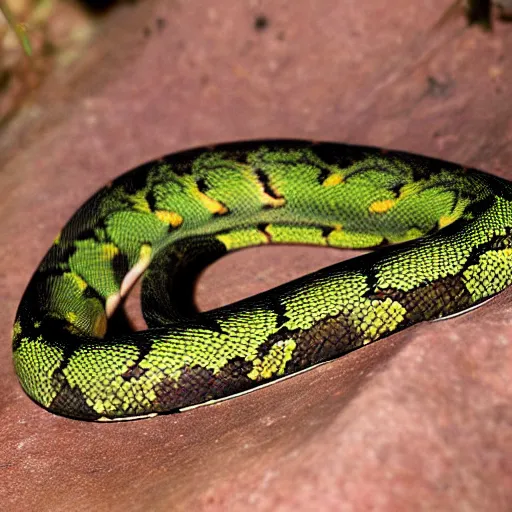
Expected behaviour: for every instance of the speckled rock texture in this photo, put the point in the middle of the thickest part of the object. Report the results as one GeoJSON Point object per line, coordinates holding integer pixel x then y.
{"type": "Point", "coordinates": [421, 421]}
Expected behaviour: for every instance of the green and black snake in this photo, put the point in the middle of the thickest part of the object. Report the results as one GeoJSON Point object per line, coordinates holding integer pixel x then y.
{"type": "Point", "coordinates": [169, 218]}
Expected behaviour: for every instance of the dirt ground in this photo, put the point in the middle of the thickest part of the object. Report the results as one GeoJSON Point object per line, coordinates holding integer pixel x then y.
{"type": "Point", "coordinates": [420, 421]}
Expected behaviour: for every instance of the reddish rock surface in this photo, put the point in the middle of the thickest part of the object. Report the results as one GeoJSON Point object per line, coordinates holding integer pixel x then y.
{"type": "Point", "coordinates": [421, 421]}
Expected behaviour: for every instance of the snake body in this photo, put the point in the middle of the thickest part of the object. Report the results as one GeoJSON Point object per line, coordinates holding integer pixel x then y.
{"type": "Point", "coordinates": [169, 218]}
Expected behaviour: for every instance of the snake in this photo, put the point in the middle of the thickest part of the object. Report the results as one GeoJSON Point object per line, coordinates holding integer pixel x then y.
{"type": "Point", "coordinates": [439, 241]}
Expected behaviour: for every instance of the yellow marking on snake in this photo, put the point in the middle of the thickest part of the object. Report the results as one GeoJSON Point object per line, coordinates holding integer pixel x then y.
{"type": "Point", "coordinates": [382, 206]}
{"type": "Point", "coordinates": [109, 252]}
{"type": "Point", "coordinates": [172, 218]}
{"type": "Point", "coordinates": [332, 180]}
{"type": "Point", "coordinates": [446, 220]}
{"type": "Point", "coordinates": [212, 205]}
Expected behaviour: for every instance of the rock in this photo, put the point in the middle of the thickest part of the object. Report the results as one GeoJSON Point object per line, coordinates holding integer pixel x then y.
{"type": "Point", "coordinates": [420, 421]}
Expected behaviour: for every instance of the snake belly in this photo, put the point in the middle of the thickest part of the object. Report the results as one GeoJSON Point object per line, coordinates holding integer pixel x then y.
{"type": "Point", "coordinates": [169, 218]}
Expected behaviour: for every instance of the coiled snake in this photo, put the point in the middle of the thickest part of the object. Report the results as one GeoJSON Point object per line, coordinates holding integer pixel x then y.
{"type": "Point", "coordinates": [171, 217]}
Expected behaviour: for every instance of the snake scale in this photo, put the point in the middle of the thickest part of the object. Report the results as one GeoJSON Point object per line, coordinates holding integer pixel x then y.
{"type": "Point", "coordinates": [169, 218]}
